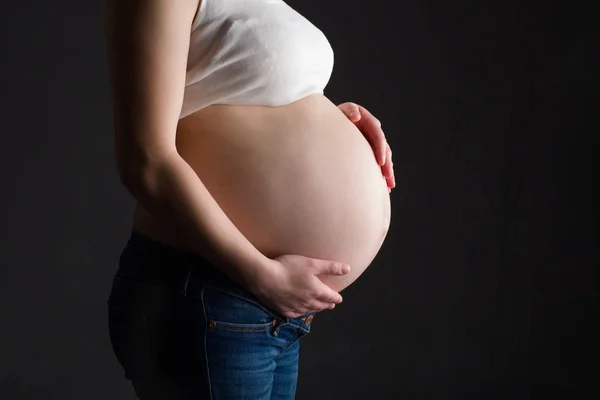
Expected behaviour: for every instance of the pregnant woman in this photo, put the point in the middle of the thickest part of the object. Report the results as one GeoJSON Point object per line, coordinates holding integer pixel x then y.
{"type": "Point", "coordinates": [255, 193]}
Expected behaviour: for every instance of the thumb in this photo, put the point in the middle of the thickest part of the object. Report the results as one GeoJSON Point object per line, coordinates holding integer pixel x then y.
{"type": "Point", "coordinates": [351, 110]}
{"type": "Point", "coordinates": [332, 268]}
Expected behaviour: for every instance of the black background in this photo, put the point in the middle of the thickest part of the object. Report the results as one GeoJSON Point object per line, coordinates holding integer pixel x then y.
{"type": "Point", "coordinates": [486, 285]}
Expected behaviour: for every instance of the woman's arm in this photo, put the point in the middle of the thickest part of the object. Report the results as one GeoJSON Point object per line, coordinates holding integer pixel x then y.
{"type": "Point", "coordinates": [147, 44]}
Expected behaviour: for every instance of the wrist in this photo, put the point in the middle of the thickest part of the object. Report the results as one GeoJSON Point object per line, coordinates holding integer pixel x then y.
{"type": "Point", "coordinates": [256, 275]}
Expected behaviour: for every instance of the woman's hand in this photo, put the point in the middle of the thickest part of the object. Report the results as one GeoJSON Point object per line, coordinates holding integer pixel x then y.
{"type": "Point", "coordinates": [291, 285]}
{"type": "Point", "coordinates": [370, 127]}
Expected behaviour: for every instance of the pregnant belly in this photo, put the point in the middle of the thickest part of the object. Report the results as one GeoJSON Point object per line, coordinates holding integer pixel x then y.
{"type": "Point", "coordinates": [299, 179]}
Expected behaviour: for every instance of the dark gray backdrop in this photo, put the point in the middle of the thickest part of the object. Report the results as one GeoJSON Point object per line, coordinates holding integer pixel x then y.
{"type": "Point", "coordinates": [486, 285]}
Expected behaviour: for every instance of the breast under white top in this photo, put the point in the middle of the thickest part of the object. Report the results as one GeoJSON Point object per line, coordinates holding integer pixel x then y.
{"type": "Point", "coordinates": [253, 52]}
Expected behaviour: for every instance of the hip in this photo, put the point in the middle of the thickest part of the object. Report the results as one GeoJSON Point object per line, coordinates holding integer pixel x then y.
{"type": "Point", "coordinates": [172, 315]}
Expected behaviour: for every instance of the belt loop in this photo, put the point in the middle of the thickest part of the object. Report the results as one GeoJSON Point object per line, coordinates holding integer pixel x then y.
{"type": "Point", "coordinates": [187, 278]}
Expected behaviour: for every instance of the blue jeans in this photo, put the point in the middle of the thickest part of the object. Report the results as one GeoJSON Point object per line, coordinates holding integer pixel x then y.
{"type": "Point", "coordinates": [181, 329]}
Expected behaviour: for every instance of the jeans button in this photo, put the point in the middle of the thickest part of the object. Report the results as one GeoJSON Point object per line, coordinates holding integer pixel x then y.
{"type": "Point", "coordinates": [308, 319]}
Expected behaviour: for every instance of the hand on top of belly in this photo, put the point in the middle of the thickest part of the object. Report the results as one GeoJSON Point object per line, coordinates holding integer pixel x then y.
{"type": "Point", "coordinates": [291, 285]}
{"type": "Point", "coordinates": [370, 127]}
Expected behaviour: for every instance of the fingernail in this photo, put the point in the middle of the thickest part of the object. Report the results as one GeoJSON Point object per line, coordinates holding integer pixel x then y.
{"type": "Point", "coordinates": [346, 269]}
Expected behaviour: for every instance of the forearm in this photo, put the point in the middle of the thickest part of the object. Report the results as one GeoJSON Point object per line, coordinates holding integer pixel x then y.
{"type": "Point", "coordinates": [172, 190]}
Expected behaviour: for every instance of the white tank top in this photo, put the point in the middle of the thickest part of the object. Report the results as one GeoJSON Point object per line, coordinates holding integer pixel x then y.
{"type": "Point", "coordinates": [253, 52]}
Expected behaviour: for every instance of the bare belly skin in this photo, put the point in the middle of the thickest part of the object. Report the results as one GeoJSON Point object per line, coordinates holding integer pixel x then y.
{"type": "Point", "coordinates": [297, 179]}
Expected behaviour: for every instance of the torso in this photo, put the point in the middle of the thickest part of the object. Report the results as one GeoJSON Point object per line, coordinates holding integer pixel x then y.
{"type": "Point", "coordinates": [295, 179]}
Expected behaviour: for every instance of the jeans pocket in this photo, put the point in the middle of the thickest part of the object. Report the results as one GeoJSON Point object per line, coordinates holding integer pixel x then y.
{"type": "Point", "coordinates": [227, 311]}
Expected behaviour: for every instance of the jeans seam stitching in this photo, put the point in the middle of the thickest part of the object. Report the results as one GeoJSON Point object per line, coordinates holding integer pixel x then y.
{"type": "Point", "coordinates": [205, 347]}
{"type": "Point", "coordinates": [243, 327]}
{"type": "Point", "coordinates": [290, 343]}
{"type": "Point", "coordinates": [245, 330]}
{"type": "Point", "coordinates": [187, 279]}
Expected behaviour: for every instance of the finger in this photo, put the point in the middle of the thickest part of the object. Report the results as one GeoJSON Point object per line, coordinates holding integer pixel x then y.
{"type": "Point", "coordinates": [371, 129]}
{"type": "Point", "coordinates": [331, 268]}
{"type": "Point", "coordinates": [317, 306]}
{"type": "Point", "coordinates": [392, 178]}
{"type": "Point", "coordinates": [390, 181]}
{"type": "Point", "coordinates": [328, 295]}
{"type": "Point", "coordinates": [294, 314]}
{"type": "Point", "coordinates": [351, 111]}
{"type": "Point", "coordinates": [388, 170]}
{"type": "Point", "coordinates": [307, 308]}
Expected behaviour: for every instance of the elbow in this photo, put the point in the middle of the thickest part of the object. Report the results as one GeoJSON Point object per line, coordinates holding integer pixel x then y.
{"type": "Point", "coordinates": [141, 174]}
{"type": "Point", "coordinates": [134, 174]}
{"type": "Point", "coordinates": [129, 170]}
{"type": "Point", "coordinates": [139, 183]}
{"type": "Point", "coordinates": [130, 177]}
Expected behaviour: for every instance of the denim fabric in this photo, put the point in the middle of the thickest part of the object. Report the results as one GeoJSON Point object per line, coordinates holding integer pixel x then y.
{"type": "Point", "coordinates": [181, 329]}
